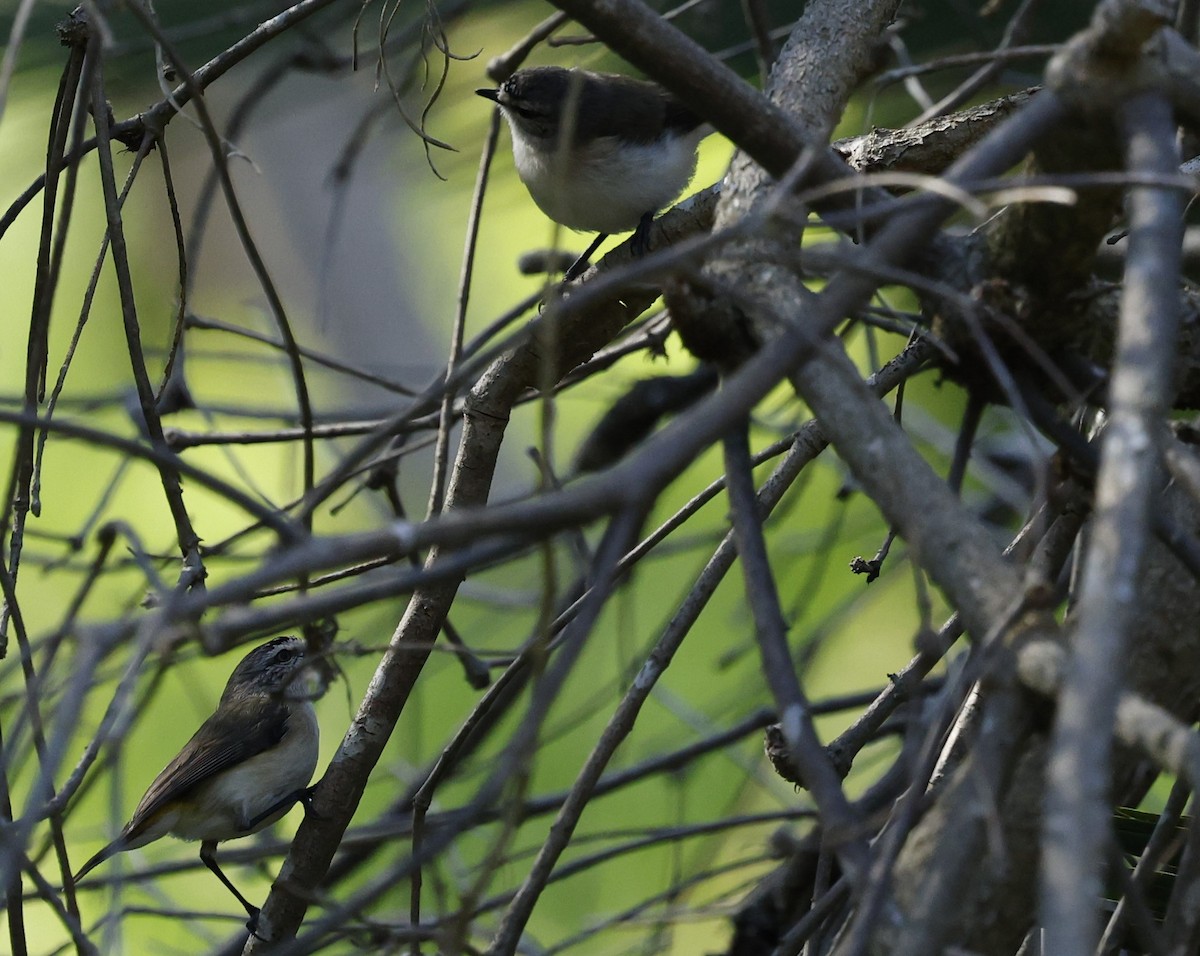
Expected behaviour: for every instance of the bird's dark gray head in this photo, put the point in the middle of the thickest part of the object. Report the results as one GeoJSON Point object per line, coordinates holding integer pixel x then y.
{"type": "Point", "coordinates": [271, 668]}
{"type": "Point", "coordinates": [602, 104]}
{"type": "Point", "coordinates": [534, 99]}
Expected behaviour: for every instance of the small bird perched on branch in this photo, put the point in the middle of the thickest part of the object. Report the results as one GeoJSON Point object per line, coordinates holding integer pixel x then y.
{"type": "Point", "coordinates": [242, 770]}
{"type": "Point", "coordinates": [598, 152]}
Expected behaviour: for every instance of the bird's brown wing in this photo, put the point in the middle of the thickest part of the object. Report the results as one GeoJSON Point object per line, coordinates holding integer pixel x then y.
{"type": "Point", "coordinates": [223, 741]}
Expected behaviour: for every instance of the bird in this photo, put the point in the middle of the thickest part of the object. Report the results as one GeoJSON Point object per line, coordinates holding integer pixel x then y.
{"type": "Point", "coordinates": [598, 152]}
{"type": "Point", "coordinates": [246, 766]}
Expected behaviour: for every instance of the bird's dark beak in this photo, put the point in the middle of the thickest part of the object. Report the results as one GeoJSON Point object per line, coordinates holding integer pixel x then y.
{"type": "Point", "coordinates": [493, 95]}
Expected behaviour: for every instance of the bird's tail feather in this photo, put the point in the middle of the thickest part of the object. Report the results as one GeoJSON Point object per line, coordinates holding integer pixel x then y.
{"type": "Point", "coordinates": [111, 850]}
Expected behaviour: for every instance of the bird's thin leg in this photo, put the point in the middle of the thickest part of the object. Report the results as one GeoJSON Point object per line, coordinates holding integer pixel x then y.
{"type": "Point", "coordinates": [277, 807]}
{"type": "Point", "coordinates": [208, 853]}
{"type": "Point", "coordinates": [639, 245]}
{"type": "Point", "coordinates": [304, 796]}
{"type": "Point", "coordinates": [581, 263]}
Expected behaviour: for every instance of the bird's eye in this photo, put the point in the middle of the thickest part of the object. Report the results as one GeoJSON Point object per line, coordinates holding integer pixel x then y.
{"type": "Point", "coordinates": [284, 654]}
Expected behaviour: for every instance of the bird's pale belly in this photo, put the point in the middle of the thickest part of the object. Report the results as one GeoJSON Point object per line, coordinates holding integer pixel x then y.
{"type": "Point", "coordinates": [606, 187]}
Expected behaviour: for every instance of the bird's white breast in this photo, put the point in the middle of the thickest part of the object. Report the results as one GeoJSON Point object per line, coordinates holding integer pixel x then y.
{"type": "Point", "coordinates": [222, 808]}
{"type": "Point", "coordinates": [606, 185]}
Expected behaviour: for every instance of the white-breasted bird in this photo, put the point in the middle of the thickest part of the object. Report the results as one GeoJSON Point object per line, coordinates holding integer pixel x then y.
{"type": "Point", "coordinates": [598, 152]}
{"type": "Point", "coordinates": [246, 766]}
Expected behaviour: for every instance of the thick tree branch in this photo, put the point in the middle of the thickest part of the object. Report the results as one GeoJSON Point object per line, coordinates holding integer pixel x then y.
{"type": "Point", "coordinates": [1079, 772]}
